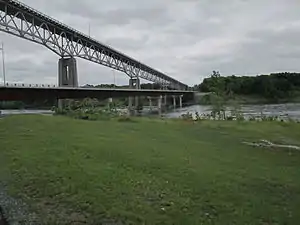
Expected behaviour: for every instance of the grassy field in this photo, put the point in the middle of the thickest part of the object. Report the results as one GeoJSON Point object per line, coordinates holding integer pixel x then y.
{"type": "Point", "coordinates": [151, 171]}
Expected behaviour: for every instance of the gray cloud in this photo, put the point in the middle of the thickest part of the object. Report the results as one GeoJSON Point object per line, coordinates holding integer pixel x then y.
{"type": "Point", "coordinates": [185, 39]}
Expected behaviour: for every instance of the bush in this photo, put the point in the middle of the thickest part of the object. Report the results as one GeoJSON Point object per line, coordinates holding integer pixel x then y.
{"type": "Point", "coordinates": [252, 118]}
{"type": "Point", "coordinates": [187, 116]}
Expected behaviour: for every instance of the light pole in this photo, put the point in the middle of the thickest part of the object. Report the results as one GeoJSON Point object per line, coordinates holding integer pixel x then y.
{"type": "Point", "coordinates": [3, 63]}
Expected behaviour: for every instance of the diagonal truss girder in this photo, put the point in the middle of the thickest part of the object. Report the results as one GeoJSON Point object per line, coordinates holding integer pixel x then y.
{"type": "Point", "coordinates": [23, 21]}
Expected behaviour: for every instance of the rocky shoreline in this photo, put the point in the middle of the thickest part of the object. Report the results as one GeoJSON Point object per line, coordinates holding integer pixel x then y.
{"type": "Point", "coordinates": [13, 211]}
{"type": "Point", "coordinates": [3, 220]}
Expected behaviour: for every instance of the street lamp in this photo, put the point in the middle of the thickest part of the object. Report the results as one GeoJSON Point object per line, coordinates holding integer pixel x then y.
{"type": "Point", "coordinates": [3, 63]}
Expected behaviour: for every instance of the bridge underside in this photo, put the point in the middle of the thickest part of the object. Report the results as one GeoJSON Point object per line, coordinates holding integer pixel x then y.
{"type": "Point", "coordinates": [29, 93]}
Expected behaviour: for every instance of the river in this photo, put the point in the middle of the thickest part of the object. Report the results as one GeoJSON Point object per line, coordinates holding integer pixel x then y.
{"type": "Point", "coordinates": [283, 111]}
{"type": "Point", "coordinates": [24, 111]}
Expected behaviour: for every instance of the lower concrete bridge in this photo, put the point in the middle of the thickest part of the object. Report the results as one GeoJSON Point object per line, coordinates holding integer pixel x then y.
{"type": "Point", "coordinates": [46, 92]}
{"type": "Point", "coordinates": [28, 93]}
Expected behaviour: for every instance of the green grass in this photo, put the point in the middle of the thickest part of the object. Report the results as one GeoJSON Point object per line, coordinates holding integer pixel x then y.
{"type": "Point", "coordinates": [151, 171]}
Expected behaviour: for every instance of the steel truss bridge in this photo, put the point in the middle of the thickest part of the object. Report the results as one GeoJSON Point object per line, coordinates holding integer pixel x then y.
{"type": "Point", "coordinates": [23, 21]}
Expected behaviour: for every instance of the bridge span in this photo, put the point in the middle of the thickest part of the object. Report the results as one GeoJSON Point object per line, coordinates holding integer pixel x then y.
{"type": "Point", "coordinates": [23, 92]}
{"type": "Point", "coordinates": [25, 22]}
{"type": "Point", "coordinates": [13, 93]}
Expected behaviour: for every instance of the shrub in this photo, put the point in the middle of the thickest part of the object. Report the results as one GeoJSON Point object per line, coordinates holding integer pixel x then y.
{"type": "Point", "coordinates": [187, 116]}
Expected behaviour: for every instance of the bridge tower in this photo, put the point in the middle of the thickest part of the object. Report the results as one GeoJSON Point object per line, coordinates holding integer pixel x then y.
{"type": "Point", "coordinates": [67, 75]}
{"type": "Point", "coordinates": [67, 72]}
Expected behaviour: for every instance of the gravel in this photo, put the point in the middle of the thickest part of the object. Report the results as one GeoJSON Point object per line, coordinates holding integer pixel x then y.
{"type": "Point", "coordinates": [15, 211]}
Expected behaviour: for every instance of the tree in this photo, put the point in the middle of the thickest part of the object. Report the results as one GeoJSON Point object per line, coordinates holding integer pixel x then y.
{"type": "Point", "coordinates": [273, 87]}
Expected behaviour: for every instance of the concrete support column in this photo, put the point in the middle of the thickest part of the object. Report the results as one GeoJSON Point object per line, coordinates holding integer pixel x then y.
{"type": "Point", "coordinates": [67, 72]}
{"type": "Point", "coordinates": [150, 103]}
{"type": "Point", "coordinates": [67, 75]}
{"type": "Point", "coordinates": [165, 87]}
{"type": "Point", "coordinates": [133, 84]}
{"type": "Point", "coordinates": [165, 102]}
{"type": "Point", "coordinates": [159, 105]}
{"type": "Point", "coordinates": [130, 99]}
{"type": "Point", "coordinates": [137, 86]}
{"type": "Point", "coordinates": [109, 103]}
{"type": "Point", "coordinates": [174, 102]}
{"type": "Point", "coordinates": [180, 101]}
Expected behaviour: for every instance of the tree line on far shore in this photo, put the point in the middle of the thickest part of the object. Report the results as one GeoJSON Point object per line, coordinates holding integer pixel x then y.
{"type": "Point", "coordinates": [275, 86]}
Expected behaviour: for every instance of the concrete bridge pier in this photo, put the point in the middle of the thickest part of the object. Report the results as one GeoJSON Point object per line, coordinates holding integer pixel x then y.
{"type": "Point", "coordinates": [134, 83]}
{"type": "Point", "coordinates": [174, 101]}
{"type": "Point", "coordinates": [159, 105]}
{"type": "Point", "coordinates": [180, 101]}
{"type": "Point", "coordinates": [67, 72]}
{"type": "Point", "coordinates": [150, 103]}
{"type": "Point", "coordinates": [165, 103]}
{"type": "Point", "coordinates": [67, 75]}
{"type": "Point", "coordinates": [164, 98]}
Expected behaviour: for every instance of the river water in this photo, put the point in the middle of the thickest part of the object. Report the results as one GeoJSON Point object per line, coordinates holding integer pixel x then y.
{"type": "Point", "coordinates": [283, 111]}
{"type": "Point", "coordinates": [23, 111]}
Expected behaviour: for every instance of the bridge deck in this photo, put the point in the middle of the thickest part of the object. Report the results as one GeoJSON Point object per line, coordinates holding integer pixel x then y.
{"type": "Point", "coordinates": [31, 93]}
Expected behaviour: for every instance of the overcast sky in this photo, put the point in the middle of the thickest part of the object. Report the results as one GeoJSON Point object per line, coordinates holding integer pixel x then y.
{"type": "Point", "coordinates": [186, 39]}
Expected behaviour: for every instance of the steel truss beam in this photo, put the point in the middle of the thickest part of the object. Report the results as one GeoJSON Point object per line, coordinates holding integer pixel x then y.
{"type": "Point", "coordinates": [23, 21]}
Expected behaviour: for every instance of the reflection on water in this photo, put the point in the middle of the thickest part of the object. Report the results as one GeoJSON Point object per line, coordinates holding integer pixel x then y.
{"type": "Point", "coordinates": [283, 111]}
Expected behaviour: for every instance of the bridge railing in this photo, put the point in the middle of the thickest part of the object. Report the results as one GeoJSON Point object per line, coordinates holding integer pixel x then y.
{"type": "Point", "coordinates": [28, 85]}
{"type": "Point", "coordinates": [45, 86]}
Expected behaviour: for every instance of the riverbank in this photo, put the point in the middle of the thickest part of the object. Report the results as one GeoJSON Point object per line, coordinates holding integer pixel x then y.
{"type": "Point", "coordinates": [151, 171]}
{"type": "Point", "coordinates": [282, 111]}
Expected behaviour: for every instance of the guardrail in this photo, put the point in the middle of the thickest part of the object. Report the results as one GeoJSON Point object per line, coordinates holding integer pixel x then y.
{"type": "Point", "coordinates": [24, 85]}
{"type": "Point", "coordinates": [28, 85]}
